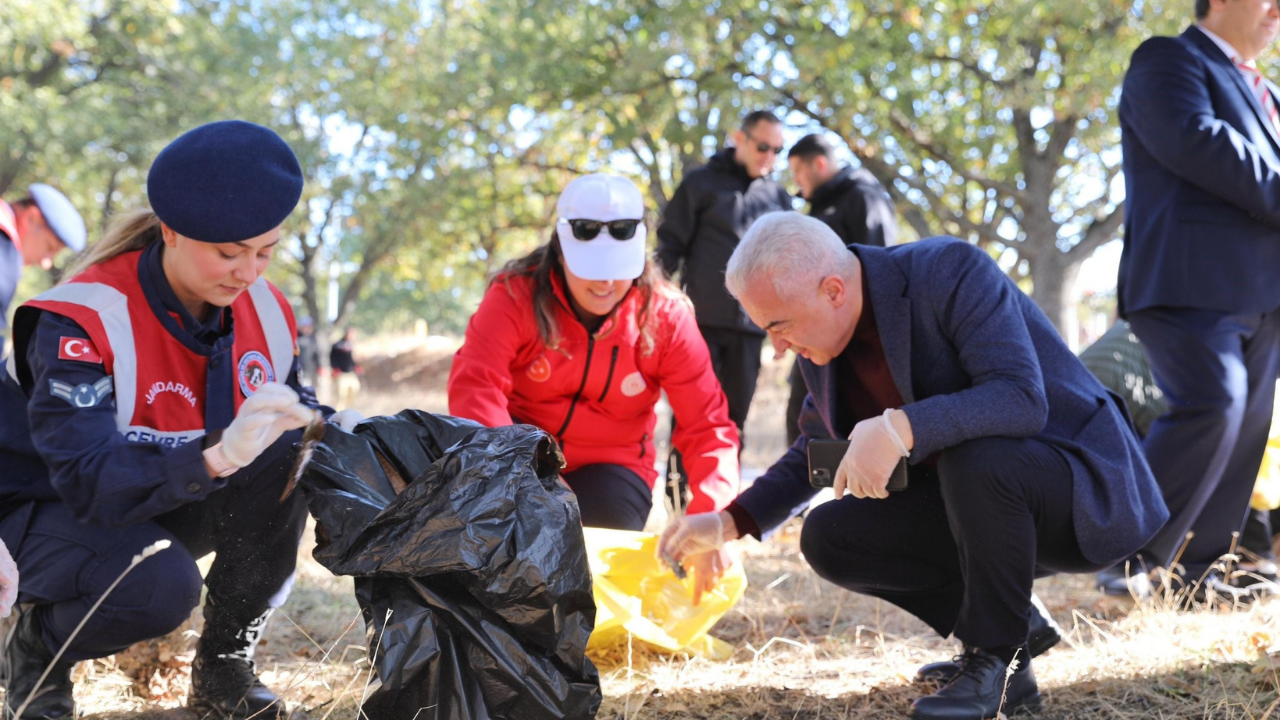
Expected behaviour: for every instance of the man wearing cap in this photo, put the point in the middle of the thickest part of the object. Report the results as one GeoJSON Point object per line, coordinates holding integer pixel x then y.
{"type": "Point", "coordinates": [161, 383]}
{"type": "Point", "coordinates": [701, 225]}
{"type": "Point", "coordinates": [32, 231]}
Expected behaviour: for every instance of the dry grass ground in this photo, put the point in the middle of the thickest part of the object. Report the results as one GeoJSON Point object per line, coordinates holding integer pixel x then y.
{"type": "Point", "coordinates": [804, 648]}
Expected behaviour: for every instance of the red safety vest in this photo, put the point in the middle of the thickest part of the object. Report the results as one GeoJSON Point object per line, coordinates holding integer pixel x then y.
{"type": "Point", "coordinates": [9, 224]}
{"type": "Point", "coordinates": [159, 382]}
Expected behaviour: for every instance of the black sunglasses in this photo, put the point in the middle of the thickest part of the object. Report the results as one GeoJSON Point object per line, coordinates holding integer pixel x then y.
{"type": "Point", "coordinates": [618, 229]}
{"type": "Point", "coordinates": [765, 147]}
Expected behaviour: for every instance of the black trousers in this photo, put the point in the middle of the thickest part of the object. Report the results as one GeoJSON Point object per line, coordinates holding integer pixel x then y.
{"type": "Point", "coordinates": [735, 358]}
{"type": "Point", "coordinates": [65, 566]}
{"type": "Point", "coordinates": [1258, 532]}
{"type": "Point", "coordinates": [961, 546]}
{"type": "Point", "coordinates": [610, 496]}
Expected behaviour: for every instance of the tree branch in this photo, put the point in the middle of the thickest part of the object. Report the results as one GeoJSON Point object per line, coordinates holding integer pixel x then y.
{"type": "Point", "coordinates": [903, 125]}
{"type": "Point", "coordinates": [1099, 232]}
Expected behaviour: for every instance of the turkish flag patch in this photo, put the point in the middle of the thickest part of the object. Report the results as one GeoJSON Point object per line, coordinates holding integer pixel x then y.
{"type": "Point", "coordinates": [82, 349]}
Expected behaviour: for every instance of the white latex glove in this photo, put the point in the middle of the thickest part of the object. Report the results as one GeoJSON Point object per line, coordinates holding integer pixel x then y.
{"type": "Point", "coordinates": [262, 419]}
{"type": "Point", "coordinates": [707, 567]}
{"type": "Point", "coordinates": [347, 419]}
{"type": "Point", "coordinates": [869, 461]}
{"type": "Point", "coordinates": [8, 581]}
{"type": "Point", "coordinates": [691, 534]}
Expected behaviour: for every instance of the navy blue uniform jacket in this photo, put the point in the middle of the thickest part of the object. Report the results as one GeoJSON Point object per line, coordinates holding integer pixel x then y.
{"type": "Point", "coordinates": [78, 455]}
{"type": "Point", "coordinates": [973, 357]}
{"type": "Point", "coordinates": [1202, 182]}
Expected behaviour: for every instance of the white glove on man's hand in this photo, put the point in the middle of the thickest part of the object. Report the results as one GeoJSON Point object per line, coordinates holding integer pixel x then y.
{"type": "Point", "coordinates": [691, 534]}
{"type": "Point", "coordinates": [347, 419]}
{"type": "Point", "coordinates": [869, 461]}
{"type": "Point", "coordinates": [262, 419]}
{"type": "Point", "coordinates": [8, 581]}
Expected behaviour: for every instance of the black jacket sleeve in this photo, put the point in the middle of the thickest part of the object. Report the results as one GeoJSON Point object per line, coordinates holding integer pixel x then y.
{"type": "Point", "coordinates": [678, 227]}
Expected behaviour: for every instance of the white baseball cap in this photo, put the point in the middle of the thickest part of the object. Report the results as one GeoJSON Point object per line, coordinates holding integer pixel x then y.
{"type": "Point", "coordinates": [603, 198]}
{"type": "Point", "coordinates": [60, 215]}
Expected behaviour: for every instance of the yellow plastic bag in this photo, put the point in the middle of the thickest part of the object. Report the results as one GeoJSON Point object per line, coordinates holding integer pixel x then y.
{"type": "Point", "coordinates": [1266, 491]}
{"type": "Point", "coordinates": [637, 594]}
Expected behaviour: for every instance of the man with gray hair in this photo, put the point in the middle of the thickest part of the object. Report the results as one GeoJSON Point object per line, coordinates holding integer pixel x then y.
{"type": "Point", "coordinates": [1021, 464]}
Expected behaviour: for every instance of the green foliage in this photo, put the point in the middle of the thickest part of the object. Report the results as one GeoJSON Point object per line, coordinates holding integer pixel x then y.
{"type": "Point", "coordinates": [435, 135]}
{"type": "Point", "coordinates": [992, 121]}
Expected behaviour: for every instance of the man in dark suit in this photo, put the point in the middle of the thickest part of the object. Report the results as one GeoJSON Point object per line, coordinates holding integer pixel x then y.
{"type": "Point", "coordinates": [1200, 274]}
{"type": "Point", "coordinates": [853, 203]}
{"type": "Point", "coordinates": [1021, 463]}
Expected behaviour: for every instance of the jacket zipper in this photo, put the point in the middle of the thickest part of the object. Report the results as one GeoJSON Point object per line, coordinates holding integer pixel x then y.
{"type": "Point", "coordinates": [591, 345]}
{"type": "Point", "coordinates": [613, 361]}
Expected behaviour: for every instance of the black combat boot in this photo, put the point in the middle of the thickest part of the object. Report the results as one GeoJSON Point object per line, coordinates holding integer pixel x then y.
{"type": "Point", "coordinates": [25, 658]}
{"type": "Point", "coordinates": [224, 679]}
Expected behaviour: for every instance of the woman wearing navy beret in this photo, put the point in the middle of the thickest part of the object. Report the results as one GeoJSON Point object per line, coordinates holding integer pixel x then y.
{"type": "Point", "coordinates": [161, 386]}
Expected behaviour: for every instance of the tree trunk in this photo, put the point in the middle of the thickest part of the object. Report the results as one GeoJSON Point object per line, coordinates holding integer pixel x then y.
{"type": "Point", "coordinates": [108, 201]}
{"type": "Point", "coordinates": [1053, 288]}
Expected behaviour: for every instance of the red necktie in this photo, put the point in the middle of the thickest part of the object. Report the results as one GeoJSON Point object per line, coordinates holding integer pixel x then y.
{"type": "Point", "coordinates": [1260, 90]}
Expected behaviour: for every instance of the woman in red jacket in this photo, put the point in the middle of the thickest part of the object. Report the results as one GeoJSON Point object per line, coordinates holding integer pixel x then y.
{"type": "Point", "coordinates": [579, 338]}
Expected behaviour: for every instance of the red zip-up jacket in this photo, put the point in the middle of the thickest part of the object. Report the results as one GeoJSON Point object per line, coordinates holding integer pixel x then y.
{"type": "Point", "coordinates": [596, 392]}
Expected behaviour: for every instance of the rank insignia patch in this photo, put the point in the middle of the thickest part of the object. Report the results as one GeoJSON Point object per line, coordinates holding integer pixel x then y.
{"type": "Point", "coordinates": [83, 395]}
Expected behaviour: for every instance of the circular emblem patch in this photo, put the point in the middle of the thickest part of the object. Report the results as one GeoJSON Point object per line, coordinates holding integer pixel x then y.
{"type": "Point", "coordinates": [540, 369]}
{"type": "Point", "coordinates": [633, 384]}
{"type": "Point", "coordinates": [254, 372]}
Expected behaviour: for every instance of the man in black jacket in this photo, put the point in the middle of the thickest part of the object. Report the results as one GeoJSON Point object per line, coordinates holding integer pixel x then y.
{"type": "Point", "coordinates": [851, 202]}
{"type": "Point", "coordinates": [707, 216]}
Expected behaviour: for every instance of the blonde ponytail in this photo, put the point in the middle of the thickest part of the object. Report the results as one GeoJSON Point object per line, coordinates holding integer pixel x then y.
{"type": "Point", "coordinates": [129, 231]}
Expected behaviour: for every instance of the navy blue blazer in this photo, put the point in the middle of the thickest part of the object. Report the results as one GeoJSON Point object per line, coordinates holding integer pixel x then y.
{"type": "Point", "coordinates": [1202, 182]}
{"type": "Point", "coordinates": [973, 357]}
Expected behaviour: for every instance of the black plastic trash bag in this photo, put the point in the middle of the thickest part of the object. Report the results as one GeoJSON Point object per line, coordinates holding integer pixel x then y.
{"type": "Point", "coordinates": [473, 580]}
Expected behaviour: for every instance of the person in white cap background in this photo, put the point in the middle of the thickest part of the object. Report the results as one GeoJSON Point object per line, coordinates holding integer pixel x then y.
{"type": "Point", "coordinates": [579, 338]}
{"type": "Point", "coordinates": [32, 231]}
{"type": "Point", "coordinates": [161, 383]}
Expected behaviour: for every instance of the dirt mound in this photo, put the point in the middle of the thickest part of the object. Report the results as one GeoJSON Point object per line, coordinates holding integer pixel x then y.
{"type": "Point", "coordinates": [420, 364]}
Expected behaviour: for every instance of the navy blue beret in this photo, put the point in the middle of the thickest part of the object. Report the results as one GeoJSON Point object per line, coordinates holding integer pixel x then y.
{"type": "Point", "coordinates": [225, 182]}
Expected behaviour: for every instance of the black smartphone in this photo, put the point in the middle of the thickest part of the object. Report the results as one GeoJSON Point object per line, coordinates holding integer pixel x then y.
{"type": "Point", "coordinates": [825, 457]}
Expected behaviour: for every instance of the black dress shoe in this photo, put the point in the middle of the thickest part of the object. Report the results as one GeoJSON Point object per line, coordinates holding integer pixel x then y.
{"type": "Point", "coordinates": [976, 693]}
{"type": "Point", "coordinates": [1042, 634]}
{"type": "Point", "coordinates": [25, 658]}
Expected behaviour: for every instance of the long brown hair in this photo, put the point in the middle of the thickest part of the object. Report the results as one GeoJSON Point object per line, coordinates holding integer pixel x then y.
{"type": "Point", "coordinates": [545, 260]}
{"type": "Point", "coordinates": [129, 231]}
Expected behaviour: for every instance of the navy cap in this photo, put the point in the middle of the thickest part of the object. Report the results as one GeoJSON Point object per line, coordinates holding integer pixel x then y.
{"type": "Point", "coordinates": [60, 215]}
{"type": "Point", "coordinates": [225, 182]}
